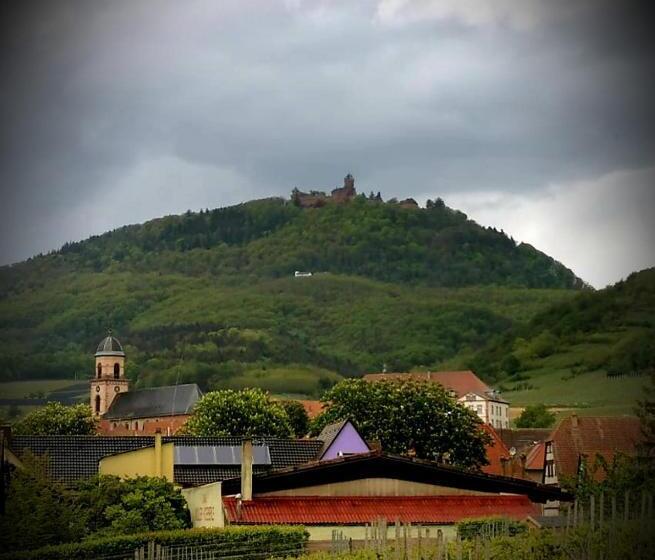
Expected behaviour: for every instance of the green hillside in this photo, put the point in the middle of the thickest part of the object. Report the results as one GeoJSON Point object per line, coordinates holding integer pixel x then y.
{"type": "Point", "coordinates": [210, 297]}
{"type": "Point", "coordinates": [592, 351]}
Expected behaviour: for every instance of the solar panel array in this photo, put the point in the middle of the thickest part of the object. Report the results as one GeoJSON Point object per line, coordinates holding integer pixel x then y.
{"type": "Point", "coordinates": [219, 455]}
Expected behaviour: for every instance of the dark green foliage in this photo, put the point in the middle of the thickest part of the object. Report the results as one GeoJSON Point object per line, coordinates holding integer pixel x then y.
{"type": "Point", "coordinates": [619, 321]}
{"type": "Point", "coordinates": [114, 506]}
{"type": "Point", "coordinates": [489, 527]}
{"type": "Point", "coordinates": [646, 413]}
{"type": "Point", "coordinates": [210, 297]}
{"type": "Point", "coordinates": [56, 419]}
{"type": "Point", "coordinates": [249, 412]}
{"type": "Point", "coordinates": [297, 417]}
{"type": "Point", "coordinates": [408, 416]}
{"type": "Point", "coordinates": [535, 416]}
{"type": "Point", "coordinates": [270, 238]}
{"type": "Point", "coordinates": [286, 336]}
{"type": "Point", "coordinates": [616, 477]}
{"type": "Point", "coordinates": [232, 540]}
{"type": "Point", "coordinates": [38, 511]}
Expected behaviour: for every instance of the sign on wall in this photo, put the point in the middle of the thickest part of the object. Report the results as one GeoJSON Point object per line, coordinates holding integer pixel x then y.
{"type": "Point", "coordinates": [205, 504]}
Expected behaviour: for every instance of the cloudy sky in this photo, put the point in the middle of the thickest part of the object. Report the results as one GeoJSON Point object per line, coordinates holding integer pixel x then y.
{"type": "Point", "coordinates": [532, 116]}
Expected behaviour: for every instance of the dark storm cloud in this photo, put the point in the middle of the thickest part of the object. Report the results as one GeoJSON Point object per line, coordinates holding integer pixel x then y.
{"type": "Point", "coordinates": [118, 112]}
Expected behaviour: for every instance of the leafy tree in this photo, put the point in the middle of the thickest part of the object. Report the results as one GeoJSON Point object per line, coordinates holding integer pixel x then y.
{"type": "Point", "coordinates": [115, 506]}
{"type": "Point", "coordinates": [297, 417]}
{"type": "Point", "coordinates": [535, 416]}
{"type": "Point", "coordinates": [623, 474]}
{"type": "Point", "coordinates": [408, 416]}
{"type": "Point", "coordinates": [57, 419]}
{"type": "Point", "coordinates": [510, 364]}
{"type": "Point", "coordinates": [38, 511]}
{"type": "Point", "coordinates": [249, 412]}
{"type": "Point", "coordinates": [646, 414]}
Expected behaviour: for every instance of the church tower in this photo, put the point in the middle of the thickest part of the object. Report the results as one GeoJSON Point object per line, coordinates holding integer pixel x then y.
{"type": "Point", "coordinates": [109, 377]}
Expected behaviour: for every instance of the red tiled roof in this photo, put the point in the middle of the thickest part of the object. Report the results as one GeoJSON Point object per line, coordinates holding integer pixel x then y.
{"type": "Point", "coordinates": [356, 510]}
{"type": "Point", "coordinates": [312, 408]}
{"type": "Point", "coordinates": [495, 451]}
{"type": "Point", "coordinates": [593, 435]}
{"type": "Point", "coordinates": [462, 382]}
{"type": "Point", "coordinates": [536, 457]}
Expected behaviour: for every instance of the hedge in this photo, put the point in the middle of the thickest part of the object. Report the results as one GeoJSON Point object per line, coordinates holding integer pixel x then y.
{"type": "Point", "coordinates": [274, 539]}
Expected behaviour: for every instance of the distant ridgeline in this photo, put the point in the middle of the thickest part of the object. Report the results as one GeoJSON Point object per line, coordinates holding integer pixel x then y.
{"type": "Point", "coordinates": [210, 297]}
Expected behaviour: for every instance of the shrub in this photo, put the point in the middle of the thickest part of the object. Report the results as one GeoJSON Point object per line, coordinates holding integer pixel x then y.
{"type": "Point", "coordinates": [489, 527]}
{"type": "Point", "coordinates": [232, 539]}
{"type": "Point", "coordinates": [535, 416]}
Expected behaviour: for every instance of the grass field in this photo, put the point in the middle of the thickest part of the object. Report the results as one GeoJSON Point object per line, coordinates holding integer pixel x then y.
{"type": "Point", "coordinates": [21, 389]}
{"type": "Point", "coordinates": [590, 394]}
{"type": "Point", "coordinates": [44, 388]}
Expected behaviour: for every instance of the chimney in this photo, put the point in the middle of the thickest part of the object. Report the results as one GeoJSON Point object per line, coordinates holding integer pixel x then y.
{"type": "Point", "coordinates": [158, 455]}
{"type": "Point", "coordinates": [523, 461]}
{"type": "Point", "coordinates": [503, 464]}
{"type": "Point", "coordinates": [246, 470]}
{"type": "Point", "coordinates": [574, 420]}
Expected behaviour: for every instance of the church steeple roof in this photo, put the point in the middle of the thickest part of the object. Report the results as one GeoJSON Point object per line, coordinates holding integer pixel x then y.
{"type": "Point", "coordinates": [110, 346]}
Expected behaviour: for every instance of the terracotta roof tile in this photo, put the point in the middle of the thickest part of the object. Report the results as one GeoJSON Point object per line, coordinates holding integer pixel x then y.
{"type": "Point", "coordinates": [461, 382]}
{"type": "Point", "coordinates": [495, 451]}
{"type": "Point", "coordinates": [591, 435]}
{"type": "Point", "coordinates": [536, 457]}
{"type": "Point", "coordinates": [356, 510]}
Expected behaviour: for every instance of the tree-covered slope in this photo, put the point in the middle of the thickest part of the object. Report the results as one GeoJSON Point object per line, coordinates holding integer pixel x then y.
{"type": "Point", "coordinates": [210, 296]}
{"type": "Point", "coordinates": [586, 350]}
{"type": "Point", "coordinates": [272, 238]}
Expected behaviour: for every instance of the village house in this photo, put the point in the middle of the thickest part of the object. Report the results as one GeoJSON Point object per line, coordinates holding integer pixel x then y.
{"type": "Point", "coordinates": [576, 441]}
{"type": "Point", "coordinates": [467, 388]}
{"type": "Point", "coordinates": [145, 411]}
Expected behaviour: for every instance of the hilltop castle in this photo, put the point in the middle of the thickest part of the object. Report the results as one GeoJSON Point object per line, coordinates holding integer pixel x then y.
{"type": "Point", "coordinates": [316, 199]}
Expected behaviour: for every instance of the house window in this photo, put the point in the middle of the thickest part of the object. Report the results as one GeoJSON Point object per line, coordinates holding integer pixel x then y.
{"type": "Point", "coordinates": [550, 471]}
{"type": "Point", "coordinates": [479, 408]}
{"type": "Point", "coordinates": [99, 370]}
{"type": "Point", "coordinates": [97, 404]}
{"type": "Point", "coordinates": [117, 370]}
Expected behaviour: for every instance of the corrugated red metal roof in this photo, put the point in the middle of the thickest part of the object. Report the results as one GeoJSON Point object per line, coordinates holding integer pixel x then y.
{"type": "Point", "coordinates": [461, 382]}
{"type": "Point", "coordinates": [357, 510]}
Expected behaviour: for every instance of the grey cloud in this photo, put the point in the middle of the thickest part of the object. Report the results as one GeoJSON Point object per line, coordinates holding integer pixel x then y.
{"type": "Point", "coordinates": [262, 97]}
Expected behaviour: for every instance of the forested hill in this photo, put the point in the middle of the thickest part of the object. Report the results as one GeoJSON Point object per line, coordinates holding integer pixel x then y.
{"type": "Point", "coordinates": [272, 238]}
{"type": "Point", "coordinates": [611, 331]}
{"type": "Point", "coordinates": [211, 297]}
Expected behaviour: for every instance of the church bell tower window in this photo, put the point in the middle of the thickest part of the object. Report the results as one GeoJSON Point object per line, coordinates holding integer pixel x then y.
{"type": "Point", "coordinates": [117, 371]}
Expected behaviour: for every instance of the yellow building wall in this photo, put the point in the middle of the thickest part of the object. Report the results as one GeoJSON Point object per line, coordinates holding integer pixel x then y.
{"type": "Point", "coordinates": [141, 462]}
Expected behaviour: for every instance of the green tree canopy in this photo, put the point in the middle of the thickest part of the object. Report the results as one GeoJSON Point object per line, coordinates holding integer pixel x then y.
{"type": "Point", "coordinates": [406, 415]}
{"type": "Point", "coordinates": [38, 511]}
{"type": "Point", "coordinates": [116, 507]}
{"type": "Point", "coordinates": [535, 416]}
{"type": "Point", "coordinates": [56, 419]}
{"type": "Point", "coordinates": [249, 412]}
{"type": "Point", "coordinates": [297, 417]}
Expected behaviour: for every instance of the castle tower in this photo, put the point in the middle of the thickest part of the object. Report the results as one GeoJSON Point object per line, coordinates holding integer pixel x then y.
{"type": "Point", "coordinates": [109, 377]}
